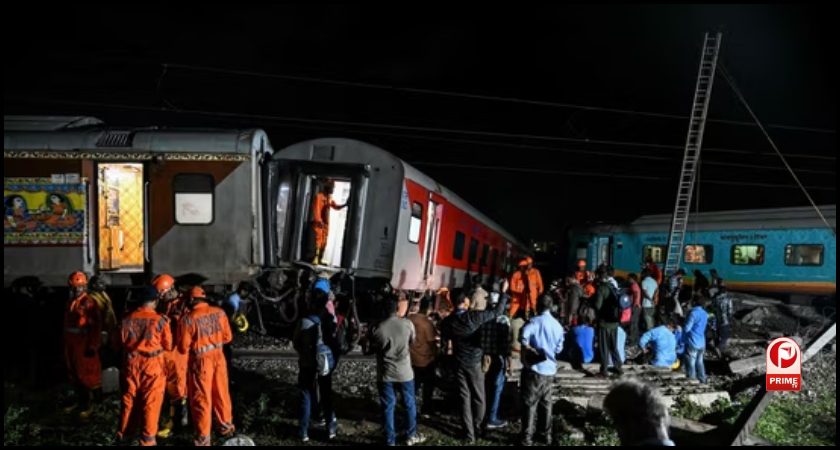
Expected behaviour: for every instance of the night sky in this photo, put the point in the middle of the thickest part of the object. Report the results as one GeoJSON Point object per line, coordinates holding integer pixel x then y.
{"type": "Point", "coordinates": [532, 167]}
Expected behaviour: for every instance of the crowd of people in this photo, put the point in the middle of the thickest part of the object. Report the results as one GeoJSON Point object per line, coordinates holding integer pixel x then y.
{"type": "Point", "coordinates": [657, 320]}
{"type": "Point", "coordinates": [463, 345]}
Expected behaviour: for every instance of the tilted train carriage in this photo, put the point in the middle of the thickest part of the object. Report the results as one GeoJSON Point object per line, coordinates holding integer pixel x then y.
{"type": "Point", "coordinates": [129, 203]}
{"type": "Point", "coordinates": [787, 251]}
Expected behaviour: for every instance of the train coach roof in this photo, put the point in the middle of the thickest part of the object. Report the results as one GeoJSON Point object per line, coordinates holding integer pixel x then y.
{"type": "Point", "coordinates": [73, 134]}
{"type": "Point", "coordinates": [744, 219]}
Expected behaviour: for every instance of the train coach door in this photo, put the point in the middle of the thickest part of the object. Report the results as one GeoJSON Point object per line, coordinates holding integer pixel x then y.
{"type": "Point", "coordinates": [603, 254]}
{"type": "Point", "coordinates": [433, 219]}
{"type": "Point", "coordinates": [121, 224]}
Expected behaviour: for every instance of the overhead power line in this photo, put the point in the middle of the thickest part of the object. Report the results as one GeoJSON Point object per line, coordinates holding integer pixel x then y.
{"type": "Point", "coordinates": [414, 128]}
{"type": "Point", "coordinates": [471, 96]}
{"type": "Point", "coordinates": [776, 149]}
{"type": "Point", "coordinates": [576, 173]}
{"type": "Point", "coordinates": [590, 153]}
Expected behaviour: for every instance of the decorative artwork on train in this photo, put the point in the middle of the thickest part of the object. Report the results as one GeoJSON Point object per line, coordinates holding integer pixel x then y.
{"type": "Point", "coordinates": [40, 212]}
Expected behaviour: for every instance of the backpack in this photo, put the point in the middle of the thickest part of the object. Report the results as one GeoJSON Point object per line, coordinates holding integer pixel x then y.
{"type": "Point", "coordinates": [324, 358]}
{"type": "Point", "coordinates": [611, 309]}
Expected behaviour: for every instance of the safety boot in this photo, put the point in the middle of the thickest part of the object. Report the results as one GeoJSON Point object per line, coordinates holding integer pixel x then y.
{"type": "Point", "coordinates": [89, 404]}
{"type": "Point", "coordinates": [74, 400]}
{"type": "Point", "coordinates": [166, 429]}
{"type": "Point", "coordinates": [70, 408]}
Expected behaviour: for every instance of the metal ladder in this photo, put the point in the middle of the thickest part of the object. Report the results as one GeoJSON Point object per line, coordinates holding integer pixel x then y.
{"type": "Point", "coordinates": [691, 158]}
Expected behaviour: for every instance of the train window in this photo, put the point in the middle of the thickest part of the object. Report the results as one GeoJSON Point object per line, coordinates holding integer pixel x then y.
{"type": "Point", "coordinates": [804, 254]}
{"type": "Point", "coordinates": [748, 255]}
{"type": "Point", "coordinates": [698, 254]}
{"type": "Point", "coordinates": [494, 258]}
{"type": "Point", "coordinates": [580, 252]}
{"type": "Point", "coordinates": [485, 249]}
{"type": "Point", "coordinates": [415, 224]}
{"type": "Point", "coordinates": [458, 249]}
{"type": "Point", "coordinates": [193, 198]}
{"type": "Point", "coordinates": [654, 252]}
{"type": "Point", "coordinates": [473, 250]}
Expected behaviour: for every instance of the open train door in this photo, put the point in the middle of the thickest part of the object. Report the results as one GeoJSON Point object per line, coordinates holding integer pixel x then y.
{"type": "Point", "coordinates": [434, 215]}
{"type": "Point", "coordinates": [293, 187]}
{"type": "Point", "coordinates": [603, 250]}
{"type": "Point", "coordinates": [121, 217]}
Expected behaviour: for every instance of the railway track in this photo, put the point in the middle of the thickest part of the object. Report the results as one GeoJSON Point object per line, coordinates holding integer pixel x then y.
{"type": "Point", "coordinates": [274, 354]}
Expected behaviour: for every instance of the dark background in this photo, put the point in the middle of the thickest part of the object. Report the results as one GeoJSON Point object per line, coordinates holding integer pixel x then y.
{"type": "Point", "coordinates": [532, 167]}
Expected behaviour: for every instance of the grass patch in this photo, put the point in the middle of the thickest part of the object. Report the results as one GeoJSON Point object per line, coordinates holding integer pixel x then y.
{"type": "Point", "coordinates": [790, 420]}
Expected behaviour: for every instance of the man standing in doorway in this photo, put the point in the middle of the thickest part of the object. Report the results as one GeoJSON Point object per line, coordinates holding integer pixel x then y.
{"type": "Point", "coordinates": [321, 218]}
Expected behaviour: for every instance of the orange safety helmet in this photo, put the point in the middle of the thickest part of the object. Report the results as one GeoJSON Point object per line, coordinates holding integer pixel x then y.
{"type": "Point", "coordinates": [581, 263]}
{"type": "Point", "coordinates": [77, 279]}
{"type": "Point", "coordinates": [529, 260]}
{"type": "Point", "coordinates": [163, 283]}
{"type": "Point", "coordinates": [197, 292]}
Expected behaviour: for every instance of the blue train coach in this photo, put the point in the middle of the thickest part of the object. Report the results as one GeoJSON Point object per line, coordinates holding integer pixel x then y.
{"type": "Point", "coordinates": [780, 251]}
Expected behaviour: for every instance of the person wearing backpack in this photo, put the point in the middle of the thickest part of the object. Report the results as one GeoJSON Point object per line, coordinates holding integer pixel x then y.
{"type": "Point", "coordinates": [608, 310]}
{"type": "Point", "coordinates": [316, 362]}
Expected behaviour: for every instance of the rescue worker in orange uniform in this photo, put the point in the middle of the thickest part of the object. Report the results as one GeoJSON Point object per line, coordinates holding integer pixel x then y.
{"type": "Point", "coordinates": [174, 307]}
{"type": "Point", "coordinates": [525, 287]}
{"type": "Point", "coordinates": [202, 333]}
{"type": "Point", "coordinates": [82, 338]}
{"type": "Point", "coordinates": [145, 336]}
{"type": "Point", "coordinates": [585, 278]}
{"type": "Point", "coordinates": [321, 218]}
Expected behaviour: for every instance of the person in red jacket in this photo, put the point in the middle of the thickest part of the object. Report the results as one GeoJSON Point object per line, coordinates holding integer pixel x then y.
{"type": "Point", "coordinates": [202, 333]}
{"type": "Point", "coordinates": [82, 338]}
{"type": "Point", "coordinates": [145, 336]}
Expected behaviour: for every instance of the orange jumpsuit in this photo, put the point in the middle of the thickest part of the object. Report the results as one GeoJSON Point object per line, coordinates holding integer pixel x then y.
{"type": "Point", "coordinates": [176, 362]}
{"type": "Point", "coordinates": [83, 334]}
{"type": "Point", "coordinates": [202, 333]}
{"type": "Point", "coordinates": [321, 219]}
{"type": "Point", "coordinates": [145, 336]}
{"type": "Point", "coordinates": [523, 296]}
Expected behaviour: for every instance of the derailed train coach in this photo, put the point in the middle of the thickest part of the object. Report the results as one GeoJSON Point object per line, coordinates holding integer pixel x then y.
{"type": "Point", "coordinates": [787, 252]}
{"type": "Point", "coordinates": [225, 207]}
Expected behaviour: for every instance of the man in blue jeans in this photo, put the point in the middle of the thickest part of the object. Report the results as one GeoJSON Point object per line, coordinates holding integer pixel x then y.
{"type": "Point", "coordinates": [495, 342]}
{"type": "Point", "coordinates": [695, 341]}
{"type": "Point", "coordinates": [315, 390]}
{"type": "Point", "coordinates": [541, 340]}
{"type": "Point", "coordinates": [391, 340]}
